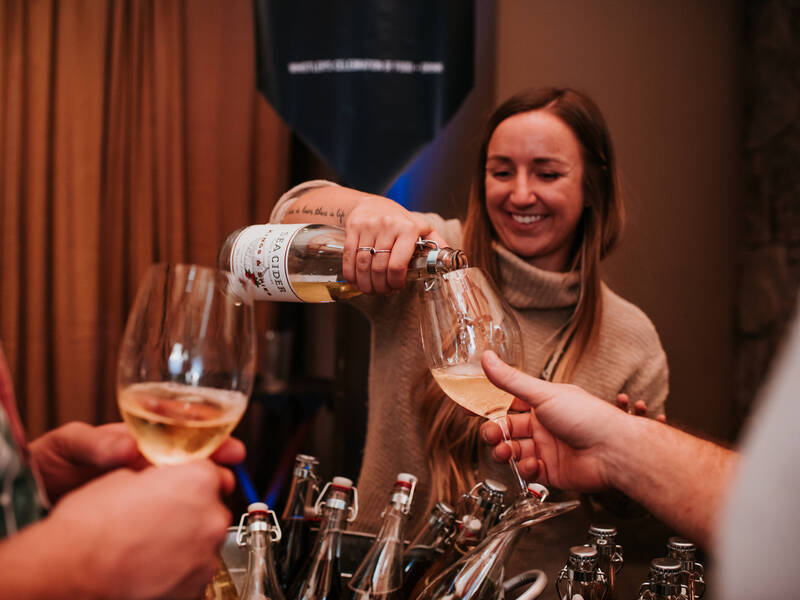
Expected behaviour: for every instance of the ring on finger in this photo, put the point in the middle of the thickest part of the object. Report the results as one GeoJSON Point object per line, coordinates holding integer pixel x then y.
{"type": "Point", "coordinates": [380, 251]}
{"type": "Point", "coordinates": [369, 249]}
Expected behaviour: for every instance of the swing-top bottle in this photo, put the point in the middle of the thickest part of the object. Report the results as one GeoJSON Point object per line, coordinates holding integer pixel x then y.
{"type": "Point", "coordinates": [262, 530]}
{"type": "Point", "coordinates": [380, 574]}
{"type": "Point", "coordinates": [303, 262]}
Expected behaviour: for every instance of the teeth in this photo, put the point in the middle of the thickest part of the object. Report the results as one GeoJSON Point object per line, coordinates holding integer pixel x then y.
{"type": "Point", "coordinates": [527, 218]}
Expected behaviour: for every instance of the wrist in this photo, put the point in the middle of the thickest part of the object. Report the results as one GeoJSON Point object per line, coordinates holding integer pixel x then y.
{"type": "Point", "coordinates": [628, 439]}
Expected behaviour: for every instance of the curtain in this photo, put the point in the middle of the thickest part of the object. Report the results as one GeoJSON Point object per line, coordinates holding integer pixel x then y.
{"type": "Point", "coordinates": [131, 132]}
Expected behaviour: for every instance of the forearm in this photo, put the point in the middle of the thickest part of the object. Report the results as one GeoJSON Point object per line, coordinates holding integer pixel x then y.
{"type": "Point", "coordinates": [329, 205]}
{"type": "Point", "coordinates": [680, 478]}
{"type": "Point", "coordinates": [41, 562]}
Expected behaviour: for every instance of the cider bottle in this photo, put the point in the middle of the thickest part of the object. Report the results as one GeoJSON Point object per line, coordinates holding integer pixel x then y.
{"type": "Point", "coordinates": [581, 578]}
{"type": "Point", "coordinates": [692, 572]}
{"type": "Point", "coordinates": [604, 539]}
{"type": "Point", "coordinates": [428, 545]}
{"type": "Point", "coordinates": [303, 262]}
{"type": "Point", "coordinates": [664, 582]}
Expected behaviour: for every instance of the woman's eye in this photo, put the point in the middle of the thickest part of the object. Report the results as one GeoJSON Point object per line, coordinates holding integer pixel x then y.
{"type": "Point", "coordinates": [500, 174]}
{"type": "Point", "coordinates": [549, 175]}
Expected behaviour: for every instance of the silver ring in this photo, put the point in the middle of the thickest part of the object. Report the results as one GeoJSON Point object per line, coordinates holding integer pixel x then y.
{"type": "Point", "coordinates": [379, 251]}
{"type": "Point", "coordinates": [369, 249]}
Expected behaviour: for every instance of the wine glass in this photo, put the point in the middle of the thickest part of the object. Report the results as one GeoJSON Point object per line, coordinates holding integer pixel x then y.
{"type": "Point", "coordinates": [186, 361]}
{"type": "Point", "coordinates": [462, 315]}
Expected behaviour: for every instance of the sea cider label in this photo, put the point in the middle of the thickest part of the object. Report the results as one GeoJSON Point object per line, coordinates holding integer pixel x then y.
{"type": "Point", "coordinates": [260, 255]}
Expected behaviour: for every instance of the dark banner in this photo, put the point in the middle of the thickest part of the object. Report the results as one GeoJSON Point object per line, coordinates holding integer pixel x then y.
{"type": "Point", "coordinates": [366, 83]}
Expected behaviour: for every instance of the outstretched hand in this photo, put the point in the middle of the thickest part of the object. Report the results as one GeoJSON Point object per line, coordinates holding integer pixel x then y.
{"type": "Point", "coordinates": [561, 442]}
{"type": "Point", "coordinates": [75, 453]}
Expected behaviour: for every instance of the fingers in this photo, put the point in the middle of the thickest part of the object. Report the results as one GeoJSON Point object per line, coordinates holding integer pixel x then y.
{"type": "Point", "coordinates": [227, 480]}
{"type": "Point", "coordinates": [230, 452]}
{"type": "Point", "coordinates": [530, 389]}
{"type": "Point", "coordinates": [623, 402]}
{"type": "Point", "coordinates": [519, 426]}
{"type": "Point", "coordinates": [640, 408]}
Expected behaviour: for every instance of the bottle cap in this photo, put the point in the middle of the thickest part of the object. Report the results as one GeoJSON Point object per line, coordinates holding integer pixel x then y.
{"type": "Point", "coordinates": [472, 525]}
{"type": "Point", "coordinates": [406, 479]}
{"type": "Point", "coordinates": [583, 552]}
{"type": "Point", "coordinates": [256, 507]}
{"type": "Point", "coordinates": [538, 490]}
{"type": "Point", "coordinates": [342, 482]}
{"type": "Point", "coordinates": [664, 566]}
{"type": "Point", "coordinates": [495, 486]}
{"type": "Point", "coordinates": [680, 544]}
{"type": "Point", "coordinates": [307, 458]}
{"type": "Point", "coordinates": [443, 508]}
{"type": "Point", "coordinates": [602, 530]}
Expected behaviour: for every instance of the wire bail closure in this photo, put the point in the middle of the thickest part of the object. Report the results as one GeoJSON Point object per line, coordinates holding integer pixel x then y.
{"type": "Point", "coordinates": [274, 529]}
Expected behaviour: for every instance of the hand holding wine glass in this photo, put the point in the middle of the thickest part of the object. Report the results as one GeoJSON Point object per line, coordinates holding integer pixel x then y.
{"type": "Point", "coordinates": [186, 362]}
{"type": "Point", "coordinates": [462, 314]}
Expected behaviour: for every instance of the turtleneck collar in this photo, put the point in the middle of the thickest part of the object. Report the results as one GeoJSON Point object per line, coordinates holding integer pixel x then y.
{"type": "Point", "coordinates": [525, 286]}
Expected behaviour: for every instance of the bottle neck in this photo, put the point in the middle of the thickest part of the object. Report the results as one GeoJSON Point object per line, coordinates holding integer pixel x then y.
{"type": "Point", "coordinates": [299, 493]}
{"type": "Point", "coordinates": [393, 526]}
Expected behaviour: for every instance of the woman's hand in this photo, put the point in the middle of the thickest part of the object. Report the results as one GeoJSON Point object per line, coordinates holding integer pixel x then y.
{"type": "Point", "coordinates": [639, 408]}
{"type": "Point", "coordinates": [393, 232]}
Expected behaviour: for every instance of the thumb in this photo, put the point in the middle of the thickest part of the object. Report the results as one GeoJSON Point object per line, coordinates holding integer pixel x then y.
{"type": "Point", "coordinates": [529, 389]}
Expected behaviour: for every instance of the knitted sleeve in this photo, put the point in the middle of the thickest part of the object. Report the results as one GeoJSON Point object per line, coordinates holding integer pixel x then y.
{"type": "Point", "coordinates": [650, 381]}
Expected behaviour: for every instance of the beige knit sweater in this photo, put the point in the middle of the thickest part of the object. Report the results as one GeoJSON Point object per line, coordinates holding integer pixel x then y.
{"type": "Point", "coordinates": [628, 357]}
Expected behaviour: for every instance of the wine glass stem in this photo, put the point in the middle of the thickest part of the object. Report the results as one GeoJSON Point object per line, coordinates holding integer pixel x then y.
{"type": "Point", "coordinates": [503, 424]}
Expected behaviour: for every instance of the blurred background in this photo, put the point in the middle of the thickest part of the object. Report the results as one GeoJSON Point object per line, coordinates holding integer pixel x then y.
{"type": "Point", "coordinates": [133, 132]}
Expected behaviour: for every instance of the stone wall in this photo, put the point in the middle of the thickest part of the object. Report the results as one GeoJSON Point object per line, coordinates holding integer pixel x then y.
{"type": "Point", "coordinates": [769, 248]}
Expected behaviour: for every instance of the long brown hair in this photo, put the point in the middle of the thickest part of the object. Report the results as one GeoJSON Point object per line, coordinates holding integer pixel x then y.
{"type": "Point", "coordinates": [453, 436]}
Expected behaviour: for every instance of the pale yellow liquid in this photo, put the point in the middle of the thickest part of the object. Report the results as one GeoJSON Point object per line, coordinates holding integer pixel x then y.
{"type": "Point", "coordinates": [323, 291]}
{"type": "Point", "coordinates": [468, 385]}
{"type": "Point", "coordinates": [174, 423]}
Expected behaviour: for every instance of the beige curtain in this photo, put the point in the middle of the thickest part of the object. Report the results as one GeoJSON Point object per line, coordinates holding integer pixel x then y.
{"type": "Point", "coordinates": [131, 132]}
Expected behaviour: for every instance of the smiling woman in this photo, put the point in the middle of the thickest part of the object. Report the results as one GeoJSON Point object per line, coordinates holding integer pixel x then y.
{"type": "Point", "coordinates": [543, 210]}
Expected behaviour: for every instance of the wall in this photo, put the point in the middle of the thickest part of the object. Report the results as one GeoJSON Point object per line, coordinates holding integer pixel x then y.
{"type": "Point", "coordinates": [666, 76]}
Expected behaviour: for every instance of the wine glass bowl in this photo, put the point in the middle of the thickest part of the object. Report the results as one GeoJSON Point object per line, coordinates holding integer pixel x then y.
{"type": "Point", "coordinates": [462, 315]}
{"type": "Point", "coordinates": [186, 361]}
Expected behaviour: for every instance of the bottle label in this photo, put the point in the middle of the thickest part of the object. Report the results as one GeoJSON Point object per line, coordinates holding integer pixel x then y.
{"type": "Point", "coordinates": [260, 255]}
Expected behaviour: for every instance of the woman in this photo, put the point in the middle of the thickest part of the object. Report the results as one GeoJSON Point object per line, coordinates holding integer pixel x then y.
{"type": "Point", "coordinates": [543, 210]}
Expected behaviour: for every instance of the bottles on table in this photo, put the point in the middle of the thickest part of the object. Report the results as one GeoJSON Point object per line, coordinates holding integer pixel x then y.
{"type": "Point", "coordinates": [321, 577]}
{"type": "Point", "coordinates": [692, 572]}
{"type": "Point", "coordinates": [604, 539]}
{"type": "Point", "coordinates": [664, 582]}
{"type": "Point", "coordinates": [581, 577]}
{"type": "Point", "coordinates": [295, 519]}
{"type": "Point", "coordinates": [380, 574]}
{"type": "Point", "coordinates": [303, 263]}
{"type": "Point", "coordinates": [428, 545]}
{"type": "Point", "coordinates": [479, 574]}
{"type": "Point", "coordinates": [486, 501]}
{"type": "Point", "coordinates": [261, 580]}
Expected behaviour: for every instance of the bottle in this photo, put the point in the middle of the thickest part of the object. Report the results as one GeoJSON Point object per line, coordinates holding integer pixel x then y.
{"type": "Point", "coordinates": [260, 581]}
{"type": "Point", "coordinates": [303, 263]}
{"type": "Point", "coordinates": [295, 525]}
{"type": "Point", "coordinates": [691, 571]}
{"type": "Point", "coordinates": [428, 545]}
{"type": "Point", "coordinates": [664, 581]}
{"type": "Point", "coordinates": [321, 576]}
{"type": "Point", "coordinates": [221, 586]}
{"type": "Point", "coordinates": [484, 505]}
{"type": "Point", "coordinates": [581, 578]}
{"type": "Point", "coordinates": [380, 574]}
{"type": "Point", "coordinates": [487, 502]}
{"type": "Point", "coordinates": [604, 539]}
{"type": "Point", "coordinates": [480, 574]}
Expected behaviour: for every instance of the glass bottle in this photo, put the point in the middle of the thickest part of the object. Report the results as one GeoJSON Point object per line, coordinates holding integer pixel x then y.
{"type": "Point", "coordinates": [479, 574]}
{"type": "Point", "coordinates": [428, 545]}
{"type": "Point", "coordinates": [485, 503]}
{"type": "Point", "coordinates": [692, 572]}
{"type": "Point", "coordinates": [221, 586]}
{"type": "Point", "coordinates": [295, 525]}
{"type": "Point", "coordinates": [321, 576]}
{"type": "Point", "coordinates": [303, 263]}
{"type": "Point", "coordinates": [260, 581]}
{"type": "Point", "coordinates": [581, 578]}
{"type": "Point", "coordinates": [664, 581]}
{"type": "Point", "coordinates": [604, 539]}
{"type": "Point", "coordinates": [380, 574]}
